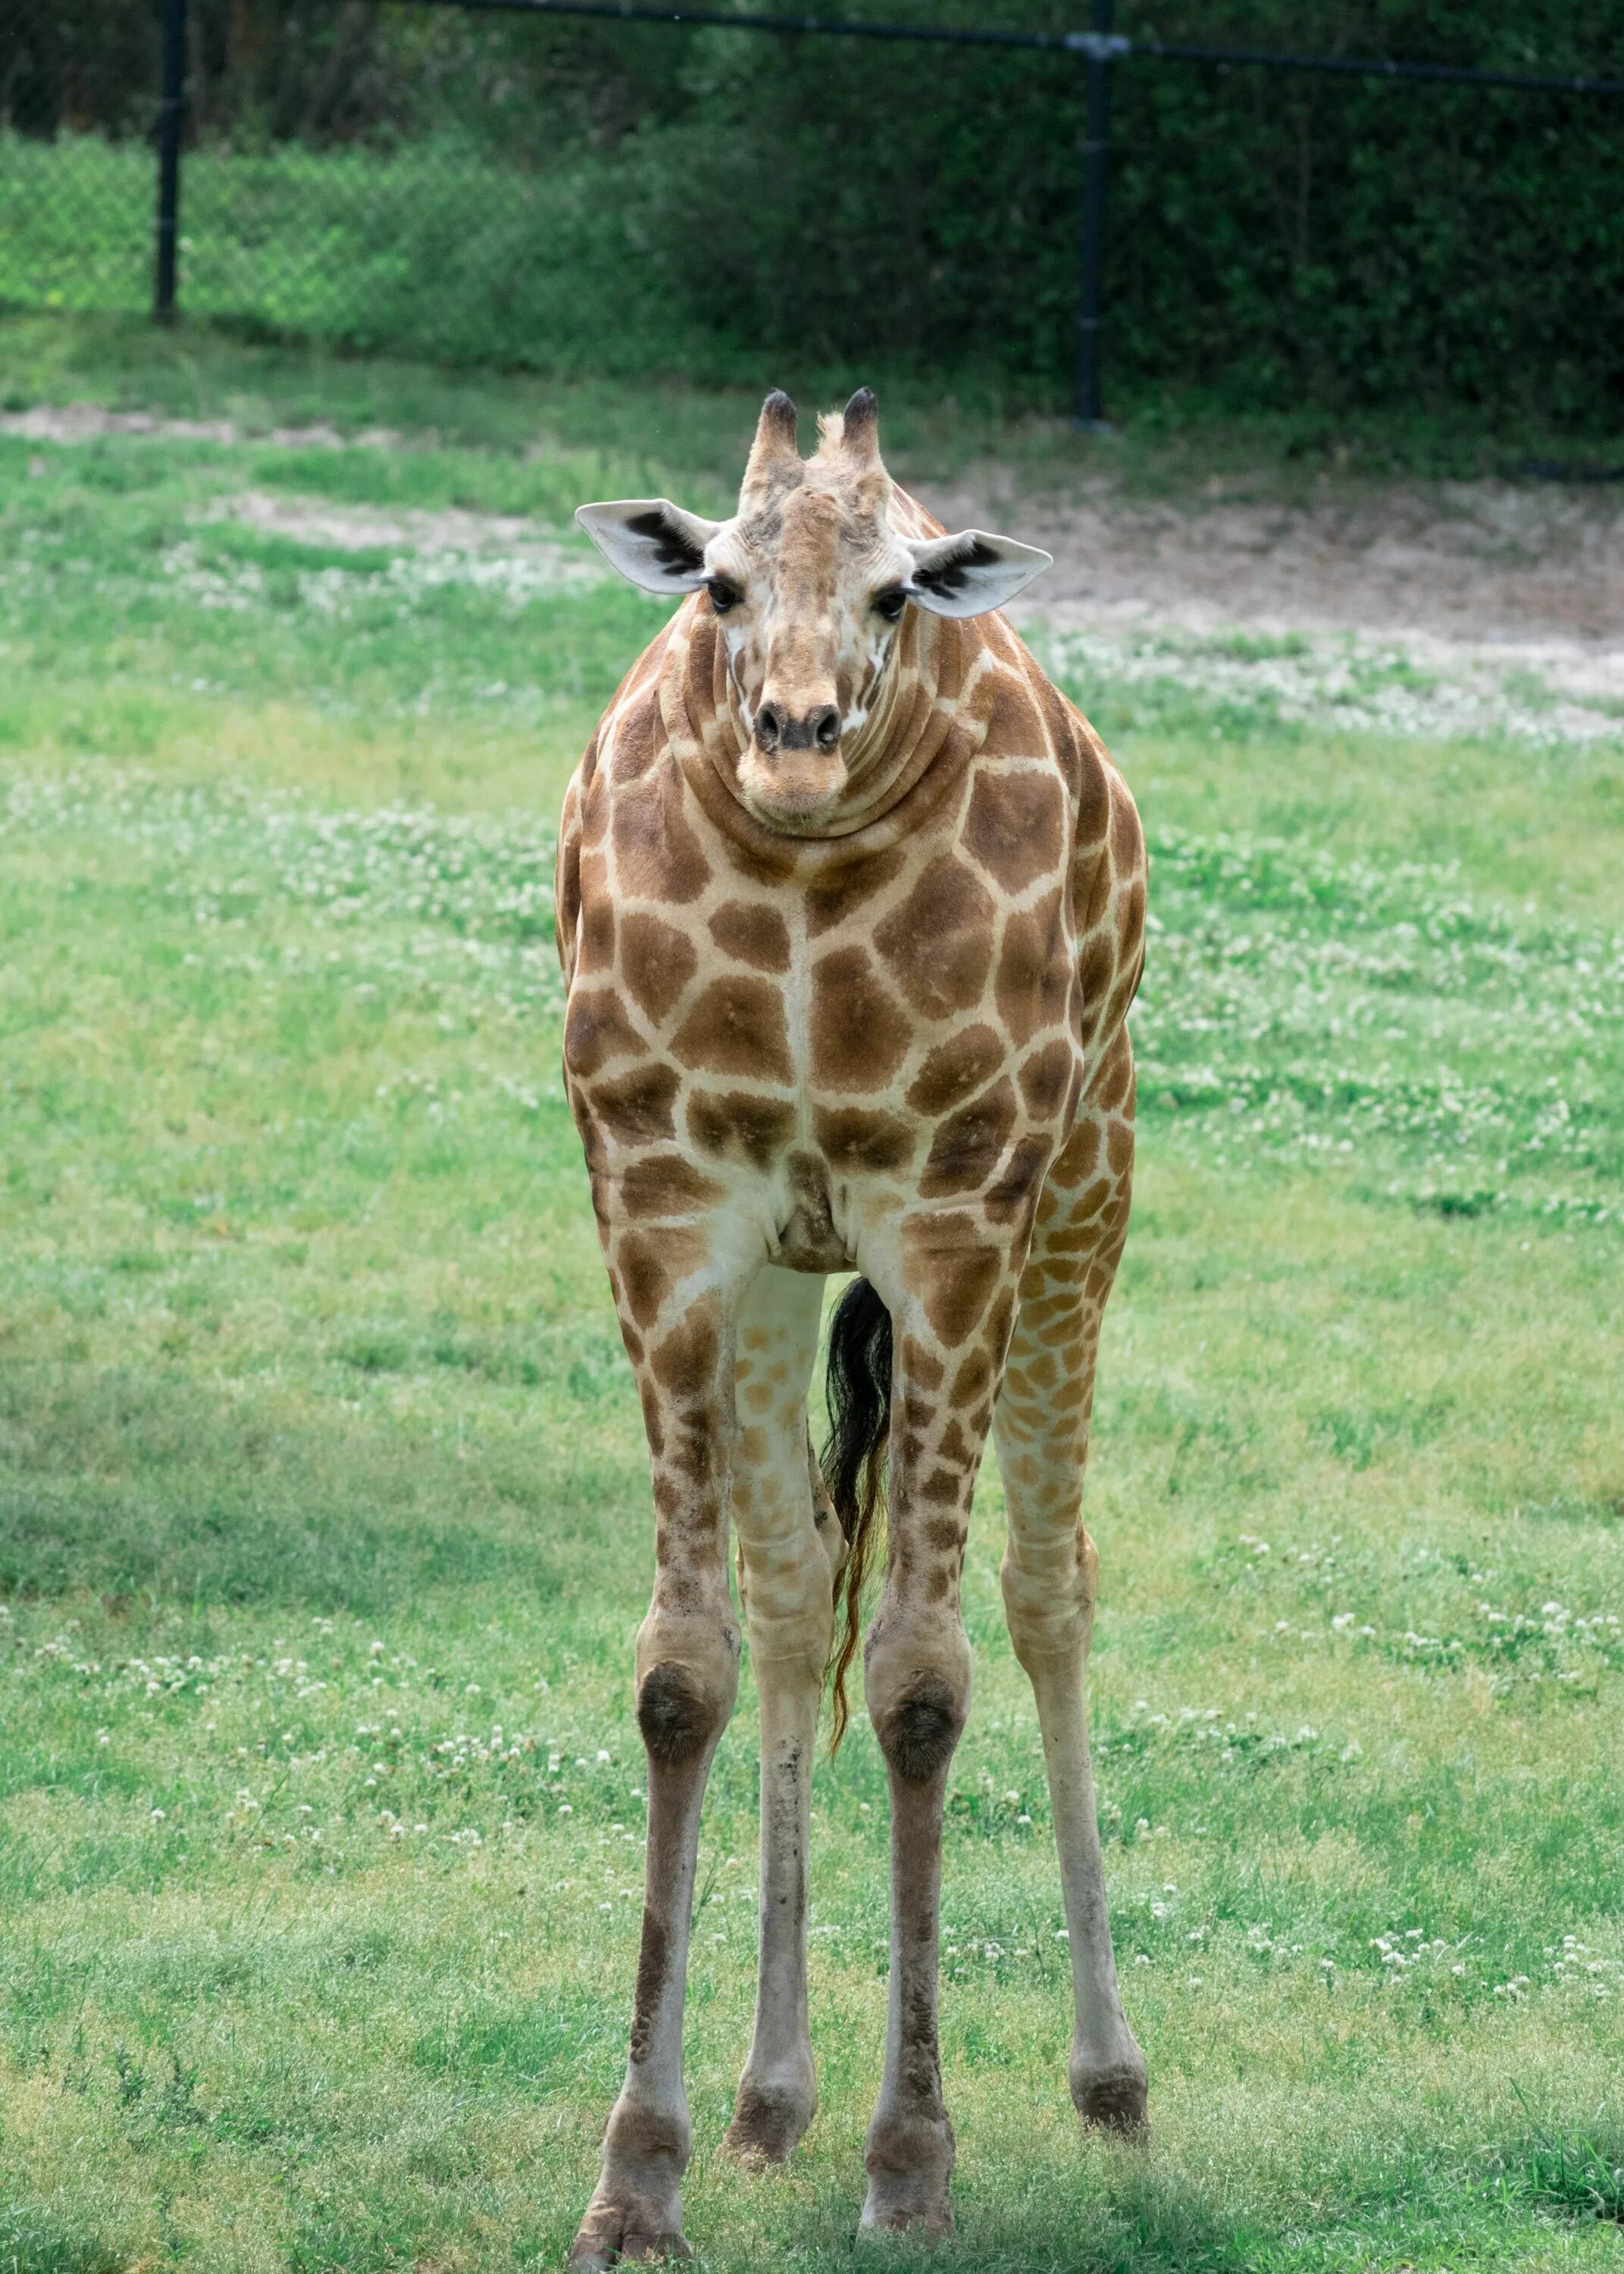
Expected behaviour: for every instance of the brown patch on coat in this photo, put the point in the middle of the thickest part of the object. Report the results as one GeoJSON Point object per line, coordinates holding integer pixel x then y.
{"type": "Point", "coordinates": [939, 942]}
{"type": "Point", "coordinates": [639, 738]}
{"type": "Point", "coordinates": [734, 1125]}
{"type": "Point", "coordinates": [1043, 1079]}
{"type": "Point", "coordinates": [956, 1069]}
{"type": "Point", "coordinates": [596, 1030]}
{"type": "Point", "coordinates": [953, 1273]}
{"type": "Point", "coordinates": [567, 894]}
{"type": "Point", "coordinates": [970, 1381]}
{"type": "Point", "coordinates": [1115, 1087]}
{"type": "Point", "coordinates": [833, 898]}
{"type": "Point", "coordinates": [1016, 825]}
{"type": "Point", "coordinates": [653, 1419]}
{"type": "Point", "coordinates": [1127, 838]}
{"type": "Point", "coordinates": [1096, 963]}
{"type": "Point", "coordinates": [666, 1183]}
{"type": "Point", "coordinates": [1079, 1155]}
{"type": "Point", "coordinates": [595, 952]}
{"type": "Point", "coordinates": [970, 1144]}
{"type": "Point", "coordinates": [636, 1107]}
{"type": "Point", "coordinates": [657, 962]}
{"type": "Point", "coordinates": [860, 1033]}
{"type": "Point", "coordinates": [685, 1363]}
{"type": "Point", "coordinates": [752, 933]}
{"type": "Point", "coordinates": [1091, 888]}
{"type": "Point", "coordinates": [736, 1026]}
{"type": "Point", "coordinates": [955, 1445]}
{"type": "Point", "coordinates": [651, 1263]}
{"type": "Point", "coordinates": [1019, 729]}
{"type": "Point", "coordinates": [656, 854]}
{"type": "Point", "coordinates": [854, 1140]}
{"type": "Point", "coordinates": [920, 1364]}
{"type": "Point", "coordinates": [1034, 974]}
{"type": "Point", "coordinates": [1016, 1192]}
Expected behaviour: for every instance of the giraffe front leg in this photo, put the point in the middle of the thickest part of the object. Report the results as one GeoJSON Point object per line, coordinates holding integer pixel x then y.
{"type": "Point", "coordinates": [787, 1585]}
{"type": "Point", "coordinates": [951, 1320]}
{"type": "Point", "coordinates": [687, 1677]}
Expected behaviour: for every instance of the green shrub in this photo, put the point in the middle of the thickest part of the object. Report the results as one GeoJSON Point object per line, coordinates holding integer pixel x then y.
{"type": "Point", "coordinates": [631, 198]}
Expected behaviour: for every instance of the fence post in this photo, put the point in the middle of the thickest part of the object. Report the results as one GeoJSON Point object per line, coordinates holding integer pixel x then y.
{"type": "Point", "coordinates": [1098, 45]}
{"type": "Point", "coordinates": [170, 123]}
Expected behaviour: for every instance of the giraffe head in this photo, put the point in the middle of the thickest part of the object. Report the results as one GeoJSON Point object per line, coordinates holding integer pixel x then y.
{"type": "Point", "coordinates": [810, 580]}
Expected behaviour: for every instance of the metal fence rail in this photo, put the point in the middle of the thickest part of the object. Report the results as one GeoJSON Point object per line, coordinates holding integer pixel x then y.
{"type": "Point", "coordinates": [1099, 48]}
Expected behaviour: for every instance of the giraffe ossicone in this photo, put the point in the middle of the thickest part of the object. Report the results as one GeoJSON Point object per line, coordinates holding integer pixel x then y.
{"type": "Point", "coordinates": [850, 908]}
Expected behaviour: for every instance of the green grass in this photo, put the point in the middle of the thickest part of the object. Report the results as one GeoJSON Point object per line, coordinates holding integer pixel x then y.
{"type": "Point", "coordinates": [323, 1523]}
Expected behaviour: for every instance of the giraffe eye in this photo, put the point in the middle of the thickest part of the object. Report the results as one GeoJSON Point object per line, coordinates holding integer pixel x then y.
{"type": "Point", "coordinates": [722, 595]}
{"type": "Point", "coordinates": [891, 604]}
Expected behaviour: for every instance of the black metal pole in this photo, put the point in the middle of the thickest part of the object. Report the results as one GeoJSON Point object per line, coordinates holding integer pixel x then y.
{"type": "Point", "coordinates": [1099, 46]}
{"type": "Point", "coordinates": [169, 122]}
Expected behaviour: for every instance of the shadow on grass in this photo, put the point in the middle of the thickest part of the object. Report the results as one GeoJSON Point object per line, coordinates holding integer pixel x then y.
{"type": "Point", "coordinates": [141, 1486]}
{"type": "Point", "coordinates": [1132, 2218]}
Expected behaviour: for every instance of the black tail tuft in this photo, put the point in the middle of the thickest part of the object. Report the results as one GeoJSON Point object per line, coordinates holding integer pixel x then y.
{"type": "Point", "coordinates": [854, 1461]}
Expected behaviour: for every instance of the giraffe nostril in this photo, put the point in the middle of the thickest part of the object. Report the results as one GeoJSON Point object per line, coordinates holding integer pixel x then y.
{"type": "Point", "coordinates": [769, 725]}
{"type": "Point", "coordinates": [826, 726]}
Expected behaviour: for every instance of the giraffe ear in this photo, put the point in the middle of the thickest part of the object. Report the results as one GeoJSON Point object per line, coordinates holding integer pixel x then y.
{"type": "Point", "coordinates": [966, 575]}
{"type": "Point", "coordinates": [654, 543]}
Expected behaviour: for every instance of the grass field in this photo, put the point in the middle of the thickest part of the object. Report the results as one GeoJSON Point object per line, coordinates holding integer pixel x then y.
{"type": "Point", "coordinates": [323, 1530]}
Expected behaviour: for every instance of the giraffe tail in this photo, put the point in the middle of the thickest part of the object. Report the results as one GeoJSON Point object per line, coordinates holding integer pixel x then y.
{"type": "Point", "coordinates": [854, 1460]}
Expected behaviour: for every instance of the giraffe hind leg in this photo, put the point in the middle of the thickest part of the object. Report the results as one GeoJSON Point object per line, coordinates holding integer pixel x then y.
{"type": "Point", "coordinates": [1041, 1432]}
{"type": "Point", "coordinates": [788, 1563]}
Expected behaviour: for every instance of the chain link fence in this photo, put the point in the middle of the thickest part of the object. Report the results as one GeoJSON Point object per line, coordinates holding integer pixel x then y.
{"type": "Point", "coordinates": [376, 232]}
{"type": "Point", "coordinates": [472, 179]}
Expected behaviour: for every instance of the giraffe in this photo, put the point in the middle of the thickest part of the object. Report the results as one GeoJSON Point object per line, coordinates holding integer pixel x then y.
{"type": "Point", "coordinates": [850, 908]}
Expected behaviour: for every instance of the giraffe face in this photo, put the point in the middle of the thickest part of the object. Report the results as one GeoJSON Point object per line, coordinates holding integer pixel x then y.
{"type": "Point", "coordinates": [810, 587]}
{"type": "Point", "coordinates": [810, 583]}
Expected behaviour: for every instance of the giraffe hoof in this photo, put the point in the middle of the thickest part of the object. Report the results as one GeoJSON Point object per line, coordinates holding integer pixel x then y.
{"type": "Point", "coordinates": [929, 2219]}
{"type": "Point", "coordinates": [628, 2224]}
{"type": "Point", "coordinates": [910, 2163]}
{"type": "Point", "coordinates": [1113, 2100]}
{"type": "Point", "coordinates": [769, 2121]}
{"type": "Point", "coordinates": [604, 2241]}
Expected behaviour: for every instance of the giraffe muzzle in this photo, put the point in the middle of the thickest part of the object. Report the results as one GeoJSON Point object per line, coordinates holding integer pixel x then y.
{"type": "Point", "coordinates": [792, 770]}
{"type": "Point", "coordinates": [778, 728]}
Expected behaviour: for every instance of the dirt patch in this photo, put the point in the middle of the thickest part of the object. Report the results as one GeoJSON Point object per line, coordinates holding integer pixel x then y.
{"type": "Point", "coordinates": [1483, 562]}
{"type": "Point", "coordinates": [88, 422]}
{"type": "Point", "coordinates": [410, 530]}
{"type": "Point", "coordinates": [1510, 595]}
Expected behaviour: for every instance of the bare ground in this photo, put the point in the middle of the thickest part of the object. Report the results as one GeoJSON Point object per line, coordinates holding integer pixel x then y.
{"type": "Point", "coordinates": [1469, 580]}
{"type": "Point", "coordinates": [1460, 575]}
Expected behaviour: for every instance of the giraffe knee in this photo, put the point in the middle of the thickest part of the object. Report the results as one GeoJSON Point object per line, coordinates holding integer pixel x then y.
{"type": "Point", "coordinates": [686, 1681]}
{"type": "Point", "coordinates": [918, 1700]}
{"type": "Point", "coordinates": [679, 1714]}
{"type": "Point", "coordinates": [918, 1734]}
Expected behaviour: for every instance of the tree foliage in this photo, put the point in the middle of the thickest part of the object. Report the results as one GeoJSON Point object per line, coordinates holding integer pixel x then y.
{"type": "Point", "coordinates": [1276, 236]}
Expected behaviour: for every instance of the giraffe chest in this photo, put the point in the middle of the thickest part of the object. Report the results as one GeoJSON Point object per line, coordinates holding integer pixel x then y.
{"type": "Point", "coordinates": [810, 1054]}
